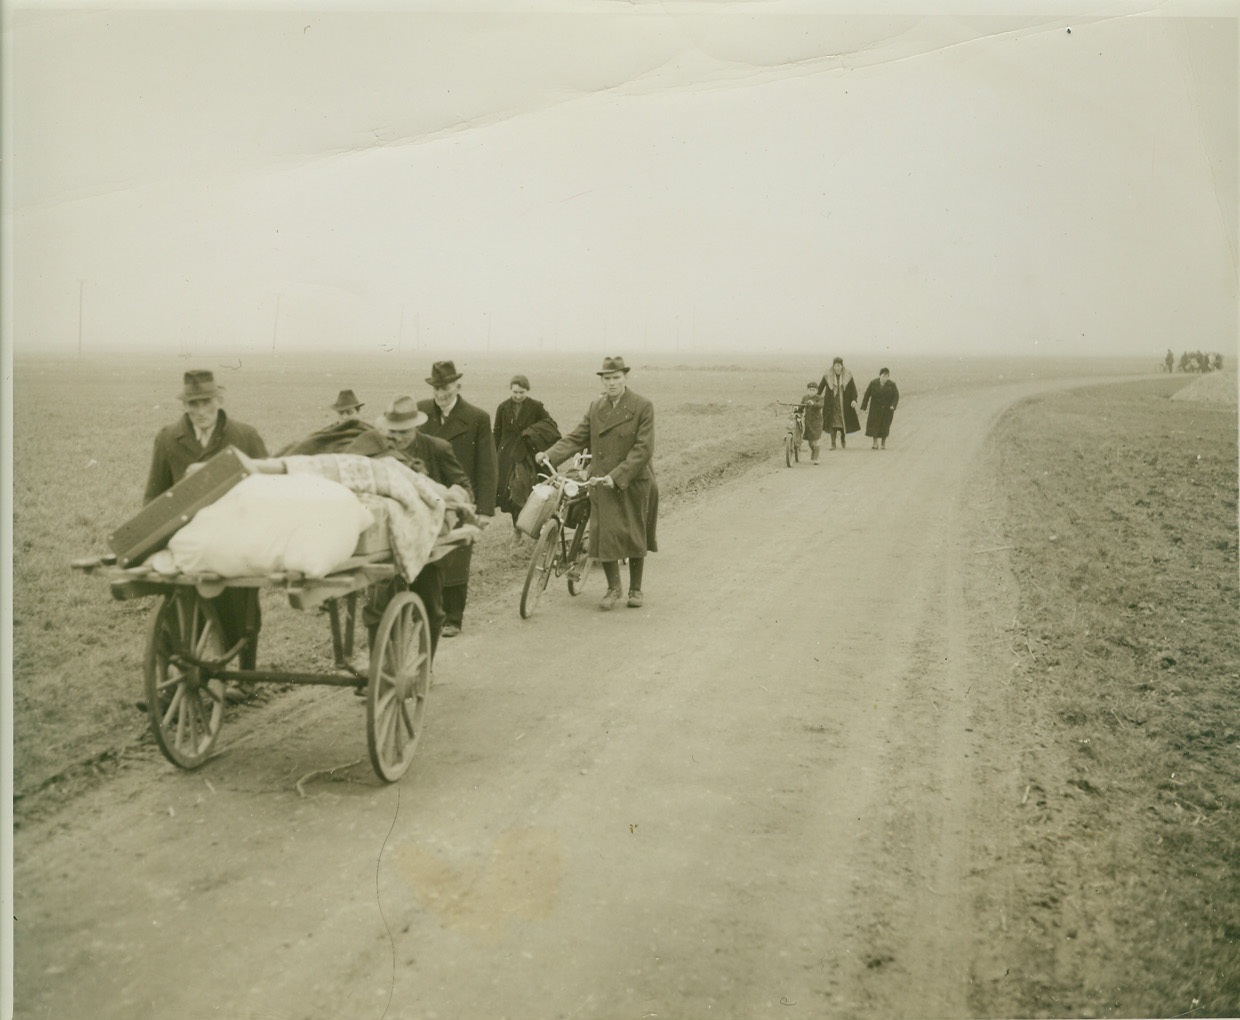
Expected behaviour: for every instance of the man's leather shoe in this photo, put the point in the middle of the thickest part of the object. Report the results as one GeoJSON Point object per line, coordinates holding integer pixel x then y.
{"type": "Point", "coordinates": [610, 599]}
{"type": "Point", "coordinates": [450, 630]}
{"type": "Point", "coordinates": [635, 600]}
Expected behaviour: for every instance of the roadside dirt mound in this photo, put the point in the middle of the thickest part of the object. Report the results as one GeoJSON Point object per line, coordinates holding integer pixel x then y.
{"type": "Point", "coordinates": [1214, 388]}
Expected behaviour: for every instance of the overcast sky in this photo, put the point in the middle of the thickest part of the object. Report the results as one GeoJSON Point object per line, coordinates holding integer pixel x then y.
{"type": "Point", "coordinates": [627, 177]}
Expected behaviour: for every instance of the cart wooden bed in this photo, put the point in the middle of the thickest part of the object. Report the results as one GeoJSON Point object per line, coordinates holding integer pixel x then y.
{"type": "Point", "coordinates": [187, 666]}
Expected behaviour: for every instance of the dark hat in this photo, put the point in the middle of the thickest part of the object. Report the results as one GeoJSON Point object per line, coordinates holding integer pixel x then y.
{"type": "Point", "coordinates": [442, 373]}
{"type": "Point", "coordinates": [346, 400]}
{"type": "Point", "coordinates": [613, 365]}
{"type": "Point", "coordinates": [401, 414]}
{"type": "Point", "coordinates": [519, 380]}
{"type": "Point", "coordinates": [838, 361]}
{"type": "Point", "coordinates": [199, 383]}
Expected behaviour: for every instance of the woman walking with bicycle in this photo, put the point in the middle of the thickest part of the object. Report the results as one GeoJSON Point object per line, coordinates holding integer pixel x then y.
{"type": "Point", "coordinates": [618, 429]}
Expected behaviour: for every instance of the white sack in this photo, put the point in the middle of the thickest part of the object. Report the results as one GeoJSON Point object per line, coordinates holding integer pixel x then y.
{"type": "Point", "coordinates": [269, 523]}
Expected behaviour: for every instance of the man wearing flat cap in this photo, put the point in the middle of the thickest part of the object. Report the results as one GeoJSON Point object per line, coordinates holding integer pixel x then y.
{"type": "Point", "coordinates": [197, 436]}
{"type": "Point", "coordinates": [522, 428]}
{"type": "Point", "coordinates": [618, 430]}
{"type": "Point", "coordinates": [468, 429]}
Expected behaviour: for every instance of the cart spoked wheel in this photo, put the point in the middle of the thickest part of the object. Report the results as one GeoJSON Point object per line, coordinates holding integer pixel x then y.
{"type": "Point", "coordinates": [400, 682]}
{"type": "Point", "coordinates": [788, 450]}
{"type": "Point", "coordinates": [185, 705]}
{"type": "Point", "coordinates": [542, 566]}
{"type": "Point", "coordinates": [579, 559]}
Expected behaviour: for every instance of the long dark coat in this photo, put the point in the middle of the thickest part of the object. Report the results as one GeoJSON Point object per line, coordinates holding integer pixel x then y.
{"type": "Point", "coordinates": [813, 417]}
{"type": "Point", "coordinates": [621, 443]}
{"type": "Point", "coordinates": [177, 447]}
{"type": "Point", "coordinates": [468, 429]}
{"type": "Point", "coordinates": [881, 398]}
{"type": "Point", "coordinates": [521, 430]}
{"type": "Point", "coordinates": [838, 411]}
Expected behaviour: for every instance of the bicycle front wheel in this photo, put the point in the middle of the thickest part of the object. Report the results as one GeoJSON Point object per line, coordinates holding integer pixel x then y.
{"type": "Point", "coordinates": [579, 561]}
{"type": "Point", "coordinates": [543, 562]}
{"type": "Point", "coordinates": [788, 449]}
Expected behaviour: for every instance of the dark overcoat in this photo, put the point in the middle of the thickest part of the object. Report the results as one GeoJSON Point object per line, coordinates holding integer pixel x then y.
{"type": "Point", "coordinates": [521, 430]}
{"type": "Point", "coordinates": [839, 396]}
{"type": "Point", "coordinates": [881, 399]}
{"type": "Point", "coordinates": [621, 444]}
{"type": "Point", "coordinates": [813, 417]}
{"type": "Point", "coordinates": [468, 429]}
{"type": "Point", "coordinates": [329, 439]}
{"type": "Point", "coordinates": [177, 447]}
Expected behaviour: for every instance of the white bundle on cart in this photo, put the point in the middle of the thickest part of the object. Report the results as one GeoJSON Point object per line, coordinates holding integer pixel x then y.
{"type": "Point", "coordinates": [270, 523]}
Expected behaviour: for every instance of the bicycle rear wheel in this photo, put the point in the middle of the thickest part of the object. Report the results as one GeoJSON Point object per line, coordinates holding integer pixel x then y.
{"type": "Point", "coordinates": [543, 562]}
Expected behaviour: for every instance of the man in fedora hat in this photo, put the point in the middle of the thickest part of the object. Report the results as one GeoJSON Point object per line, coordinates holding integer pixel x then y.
{"type": "Point", "coordinates": [335, 437]}
{"type": "Point", "coordinates": [468, 429]}
{"type": "Point", "coordinates": [197, 436]}
{"type": "Point", "coordinates": [347, 406]}
{"type": "Point", "coordinates": [397, 434]}
{"type": "Point", "coordinates": [618, 430]}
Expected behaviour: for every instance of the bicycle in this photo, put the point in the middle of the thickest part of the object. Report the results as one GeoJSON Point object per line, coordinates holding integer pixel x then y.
{"type": "Point", "coordinates": [563, 545]}
{"type": "Point", "coordinates": [795, 434]}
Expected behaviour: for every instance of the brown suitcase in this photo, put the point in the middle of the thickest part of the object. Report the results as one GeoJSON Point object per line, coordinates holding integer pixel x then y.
{"type": "Point", "coordinates": [167, 513]}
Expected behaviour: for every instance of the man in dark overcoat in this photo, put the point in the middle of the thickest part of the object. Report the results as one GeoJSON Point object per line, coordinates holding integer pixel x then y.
{"type": "Point", "coordinates": [839, 409]}
{"type": "Point", "coordinates": [468, 429]}
{"type": "Point", "coordinates": [881, 397]}
{"type": "Point", "coordinates": [198, 435]}
{"type": "Point", "coordinates": [396, 435]}
{"type": "Point", "coordinates": [618, 430]}
{"type": "Point", "coordinates": [522, 428]}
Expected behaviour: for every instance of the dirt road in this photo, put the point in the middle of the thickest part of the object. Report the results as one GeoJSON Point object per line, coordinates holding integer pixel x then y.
{"type": "Point", "coordinates": [778, 789]}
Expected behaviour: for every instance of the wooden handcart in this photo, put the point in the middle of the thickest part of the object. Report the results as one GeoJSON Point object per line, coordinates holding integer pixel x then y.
{"type": "Point", "coordinates": [187, 666]}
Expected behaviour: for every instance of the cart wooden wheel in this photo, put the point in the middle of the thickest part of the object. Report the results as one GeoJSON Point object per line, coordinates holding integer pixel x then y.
{"type": "Point", "coordinates": [579, 559]}
{"type": "Point", "coordinates": [400, 682]}
{"type": "Point", "coordinates": [185, 705]}
{"type": "Point", "coordinates": [542, 566]}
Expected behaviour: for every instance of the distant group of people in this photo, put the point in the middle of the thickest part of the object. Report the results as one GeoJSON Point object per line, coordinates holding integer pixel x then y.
{"type": "Point", "coordinates": [831, 407]}
{"type": "Point", "coordinates": [454, 443]}
{"type": "Point", "coordinates": [1193, 361]}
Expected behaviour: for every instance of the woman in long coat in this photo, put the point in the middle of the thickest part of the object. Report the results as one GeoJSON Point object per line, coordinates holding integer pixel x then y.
{"type": "Point", "coordinates": [522, 428]}
{"type": "Point", "coordinates": [839, 412]}
{"type": "Point", "coordinates": [881, 396]}
{"type": "Point", "coordinates": [618, 430]}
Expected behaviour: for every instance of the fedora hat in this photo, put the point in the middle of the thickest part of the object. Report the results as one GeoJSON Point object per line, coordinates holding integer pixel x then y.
{"type": "Point", "coordinates": [346, 400]}
{"type": "Point", "coordinates": [442, 373]}
{"type": "Point", "coordinates": [199, 383]}
{"type": "Point", "coordinates": [401, 415]}
{"type": "Point", "coordinates": [613, 365]}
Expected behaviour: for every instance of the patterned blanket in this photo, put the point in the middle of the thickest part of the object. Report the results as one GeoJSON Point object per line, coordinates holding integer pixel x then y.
{"type": "Point", "coordinates": [421, 511]}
